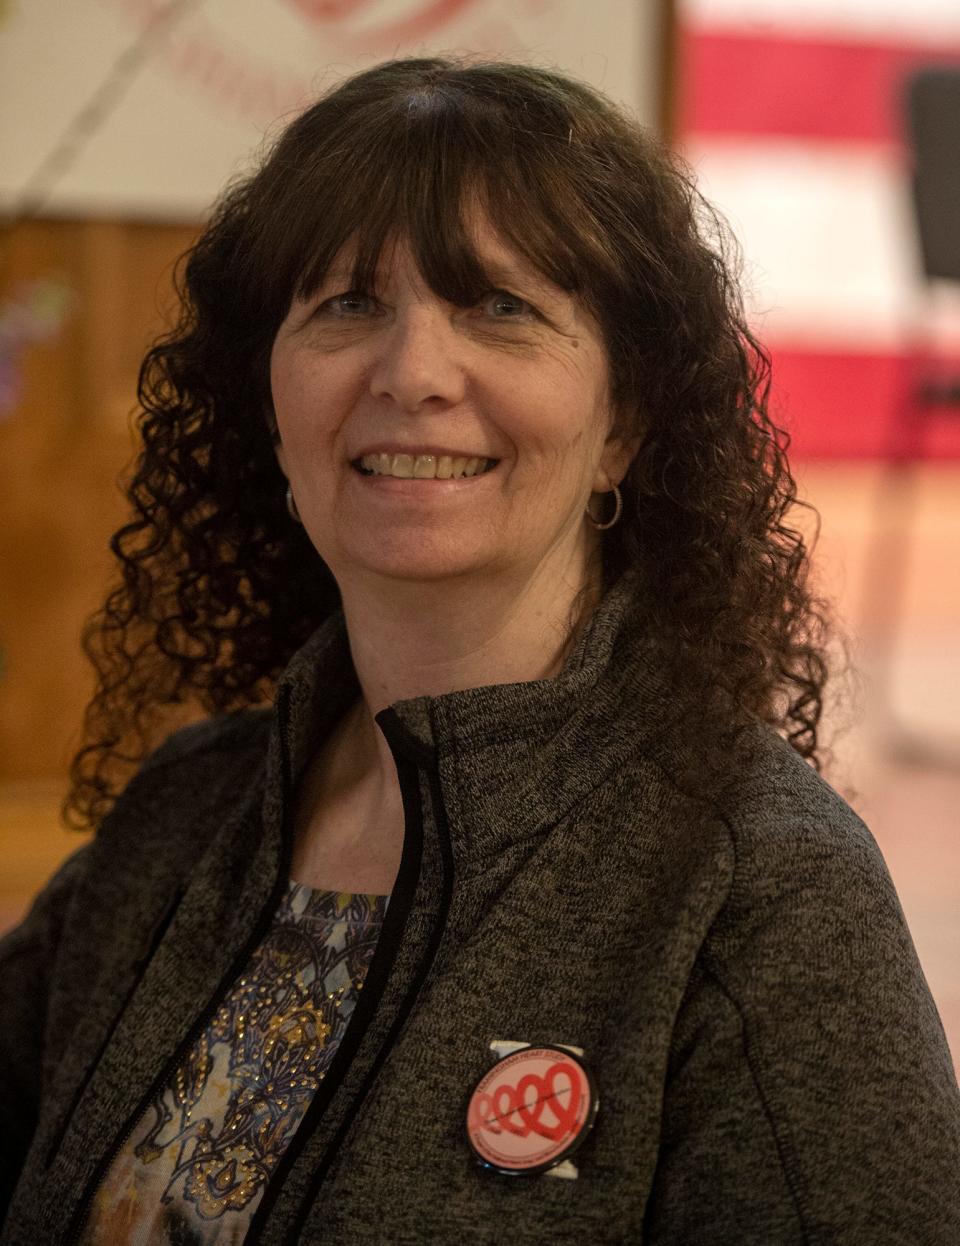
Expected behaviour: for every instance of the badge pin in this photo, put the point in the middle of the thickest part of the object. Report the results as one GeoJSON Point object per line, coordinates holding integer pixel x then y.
{"type": "Point", "coordinates": [532, 1110]}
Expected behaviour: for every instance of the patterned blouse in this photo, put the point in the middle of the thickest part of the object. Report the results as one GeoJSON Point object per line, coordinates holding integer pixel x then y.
{"type": "Point", "coordinates": [195, 1166]}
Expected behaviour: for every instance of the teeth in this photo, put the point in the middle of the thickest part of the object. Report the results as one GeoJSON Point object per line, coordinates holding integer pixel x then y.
{"type": "Point", "coordinates": [424, 466]}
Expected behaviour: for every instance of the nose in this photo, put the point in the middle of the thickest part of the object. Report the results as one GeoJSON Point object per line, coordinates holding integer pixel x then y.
{"type": "Point", "coordinates": [419, 362]}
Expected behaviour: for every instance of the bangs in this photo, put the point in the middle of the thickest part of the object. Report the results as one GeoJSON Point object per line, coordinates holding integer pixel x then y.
{"type": "Point", "coordinates": [427, 168]}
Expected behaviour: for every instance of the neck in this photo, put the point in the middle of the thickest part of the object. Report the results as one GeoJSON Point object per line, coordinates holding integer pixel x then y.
{"type": "Point", "coordinates": [425, 639]}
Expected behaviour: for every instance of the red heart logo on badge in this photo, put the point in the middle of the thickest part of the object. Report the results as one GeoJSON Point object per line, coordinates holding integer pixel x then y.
{"type": "Point", "coordinates": [531, 1110]}
{"type": "Point", "coordinates": [508, 1102]}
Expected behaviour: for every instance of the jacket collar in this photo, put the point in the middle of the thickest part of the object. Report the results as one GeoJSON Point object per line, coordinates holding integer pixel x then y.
{"type": "Point", "coordinates": [511, 758]}
{"type": "Point", "coordinates": [320, 683]}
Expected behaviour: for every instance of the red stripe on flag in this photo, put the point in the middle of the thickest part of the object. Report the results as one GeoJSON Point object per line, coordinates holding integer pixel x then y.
{"type": "Point", "coordinates": [734, 83]}
{"type": "Point", "coordinates": [846, 406]}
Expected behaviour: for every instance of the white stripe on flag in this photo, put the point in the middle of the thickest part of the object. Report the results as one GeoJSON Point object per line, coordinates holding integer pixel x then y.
{"type": "Point", "coordinates": [881, 20]}
{"type": "Point", "coordinates": [827, 233]}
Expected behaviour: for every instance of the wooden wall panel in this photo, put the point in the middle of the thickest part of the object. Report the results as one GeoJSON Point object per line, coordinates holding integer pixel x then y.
{"type": "Point", "coordinates": [61, 451]}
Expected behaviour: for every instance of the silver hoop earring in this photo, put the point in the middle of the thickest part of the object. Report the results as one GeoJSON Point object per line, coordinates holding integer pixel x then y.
{"type": "Point", "coordinates": [618, 510]}
{"type": "Point", "coordinates": [292, 507]}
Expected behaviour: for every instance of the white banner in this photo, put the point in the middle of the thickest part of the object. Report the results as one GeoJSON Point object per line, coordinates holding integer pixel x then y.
{"type": "Point", "coordinates": [163, 101]}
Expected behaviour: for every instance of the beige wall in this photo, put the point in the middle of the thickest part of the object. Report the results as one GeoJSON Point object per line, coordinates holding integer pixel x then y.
{"type": "Point", "coordinates": [210, 84]}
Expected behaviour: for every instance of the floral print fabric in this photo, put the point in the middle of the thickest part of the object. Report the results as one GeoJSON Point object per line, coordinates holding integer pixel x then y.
{"type": "Point", "coordinates": [195, 1166]}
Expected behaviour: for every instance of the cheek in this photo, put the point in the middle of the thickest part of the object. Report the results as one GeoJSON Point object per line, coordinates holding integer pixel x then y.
{"type": "Point", "coordinates": [298, 398]}
{"type": "Point", "coordinates": [282, 383]}
{"type": "Point", "coordinates": [558, 461]}
{"type": "Point", "coordinates": [568, 429]}
{"type": "Point", "coordinates": [573, 408]}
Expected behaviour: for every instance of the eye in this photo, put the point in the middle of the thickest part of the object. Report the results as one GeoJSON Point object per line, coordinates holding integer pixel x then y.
{"type": "Point", "coordinates": [503, 298]}
{"type": "Point", "coordinates": [347, 306]}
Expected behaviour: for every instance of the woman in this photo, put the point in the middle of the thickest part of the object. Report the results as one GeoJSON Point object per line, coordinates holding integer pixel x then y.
{"type": "Point", "coordinates": [499, 858]}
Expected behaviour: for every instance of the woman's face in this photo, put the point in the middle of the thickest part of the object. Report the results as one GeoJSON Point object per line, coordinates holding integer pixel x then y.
{"type": "Point", "coordinates": [520, 378]}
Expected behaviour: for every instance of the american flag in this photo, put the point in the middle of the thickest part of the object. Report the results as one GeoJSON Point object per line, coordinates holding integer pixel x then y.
{"type": "Point", "coordinates": [790, 113]}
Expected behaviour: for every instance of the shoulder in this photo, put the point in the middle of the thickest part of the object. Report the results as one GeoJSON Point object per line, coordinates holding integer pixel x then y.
{"type": "Point", "coordinates": [235, 733]}
{"type": "Point", "coordinates": [798, 862]}
{"type": "Point", "coordinates": [212, 751]}
{"type": "Point", "coordinates": [811, 913]}
{"type": "Point", "coordinates": [203, 771]}
{"type": "Point", "coordinates": [771, 802]}
{"type": "Point", "coordinates": [762, 797]}
{"type": "Point", "coordinates": [790, 826]}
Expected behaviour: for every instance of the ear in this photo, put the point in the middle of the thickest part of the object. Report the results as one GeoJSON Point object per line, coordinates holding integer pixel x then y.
{"type": "Point", "coordinates": [618, 453]}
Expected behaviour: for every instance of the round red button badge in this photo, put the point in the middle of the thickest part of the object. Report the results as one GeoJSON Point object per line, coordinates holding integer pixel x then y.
{"type": "Point", "coordinates": [531, 1111]}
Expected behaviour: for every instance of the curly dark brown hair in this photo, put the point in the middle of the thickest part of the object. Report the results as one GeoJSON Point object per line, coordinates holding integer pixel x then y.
{"type": "Point", "coordinates": [218, 586]}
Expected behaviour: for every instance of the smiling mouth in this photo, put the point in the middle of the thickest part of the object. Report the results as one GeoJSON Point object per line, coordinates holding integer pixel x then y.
{"type": "Point", "coordinates": [423, 466]}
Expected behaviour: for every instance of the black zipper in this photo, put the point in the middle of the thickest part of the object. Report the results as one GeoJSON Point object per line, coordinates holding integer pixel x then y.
{"type": "Point", "coordinates": [403, 1011]}
{"type": "Point", "coordinates": [239, 964]}
{"type": "Point", "coordinates": [409, 756]}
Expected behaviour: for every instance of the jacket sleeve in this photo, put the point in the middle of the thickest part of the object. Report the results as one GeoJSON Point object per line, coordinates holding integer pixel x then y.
{"type": "Point", "coordinates": [810, 1093]}
{"type": "Point", "coordinates": [27, 954]}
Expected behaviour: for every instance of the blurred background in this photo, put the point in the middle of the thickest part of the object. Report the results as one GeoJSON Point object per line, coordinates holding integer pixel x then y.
{"type": "Point", "coordinates": [827, 132]}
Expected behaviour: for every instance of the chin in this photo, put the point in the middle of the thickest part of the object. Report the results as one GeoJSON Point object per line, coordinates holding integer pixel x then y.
{"type": "Point", "coordinates": [422, 571]}
{"type": "Point", "coordinates": [414, 561]}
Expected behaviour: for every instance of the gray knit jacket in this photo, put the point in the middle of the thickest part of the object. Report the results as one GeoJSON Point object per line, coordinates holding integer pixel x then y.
{"type": "Point", "coordinates": [770, 1065]}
